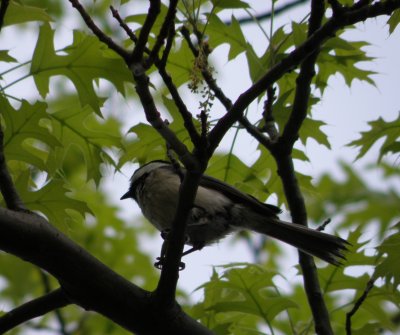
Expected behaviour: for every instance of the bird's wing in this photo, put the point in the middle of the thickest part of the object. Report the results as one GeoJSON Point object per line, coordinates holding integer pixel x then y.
{"type": "Point", "coordinates": [238, 196]}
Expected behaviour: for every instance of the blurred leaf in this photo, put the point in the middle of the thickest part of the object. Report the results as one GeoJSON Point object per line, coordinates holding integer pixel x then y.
{"type": "Point", "coordinates": [19, 13]}
{"type": "Point", "coordinates": [389, 251]}
{"type": "Point", "coordinates": [248, 290]}
{"type": "Point", "coordinates": [380, 129]}
{"type": "Point", "coordinates": [5, 57]}
{"type": "Point", "coordinates": [341, 56]}
{"type": "Point", "coordinates": [225, 4]}
{"type": "Point", "coordinates": [394, 20]}
{"type": "Point", "coordinates": [77, 127]}
{"type": "Point", "coordinates": [25, 137]}
{"type": "Point", "coordinates": [220, 33]}
{"type": "Point", "coordinates": [50, 200]}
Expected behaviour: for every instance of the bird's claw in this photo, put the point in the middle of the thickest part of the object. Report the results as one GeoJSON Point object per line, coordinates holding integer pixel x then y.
{"type": "Point", "coordinates": [160, 262]}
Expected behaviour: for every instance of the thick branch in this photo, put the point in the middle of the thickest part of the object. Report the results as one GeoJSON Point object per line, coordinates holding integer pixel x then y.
{"type": "Point", "coordinates": [32, 309]}
{"type": "Point", "coordinates": [293, 59]}
{"type": "Point", "coordinates": [86, 281]}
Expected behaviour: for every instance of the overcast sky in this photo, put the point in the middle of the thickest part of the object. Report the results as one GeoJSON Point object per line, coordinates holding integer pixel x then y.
{"type": "Point", "coordinates": [345, 110]}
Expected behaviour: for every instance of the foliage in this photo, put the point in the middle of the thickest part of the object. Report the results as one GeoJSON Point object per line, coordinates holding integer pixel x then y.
{"type": "Point", "coordinates": [81, 124]}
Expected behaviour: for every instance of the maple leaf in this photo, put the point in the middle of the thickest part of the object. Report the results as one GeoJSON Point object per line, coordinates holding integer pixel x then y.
{"type": "Point", "coordinates": [25, 137]}
{"type": "Point", "coordinates": [86, 60]}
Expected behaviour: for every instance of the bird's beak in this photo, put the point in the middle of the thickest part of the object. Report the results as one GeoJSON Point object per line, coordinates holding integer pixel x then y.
{"type": "Point", "coordinates": [126, 196]}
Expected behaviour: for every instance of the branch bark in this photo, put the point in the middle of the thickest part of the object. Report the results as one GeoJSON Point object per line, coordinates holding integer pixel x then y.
{"type": "Point", "coordinates": [32, 309]}
{"type": "Point", "coordinates": [32, 238]}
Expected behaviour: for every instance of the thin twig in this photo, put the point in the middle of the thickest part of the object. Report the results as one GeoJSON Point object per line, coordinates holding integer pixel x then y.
{"type": "Point", "coordinates": [266, 16]}
{"type": "Point", "coordinates": [161, 66]}
{"type": "Point", "coordinates": [47, 290]}
{"type": "Point", "coordinates": [7, 188]}
{"type": "Point", "coordinates": [292, 60]}
{"type": "Point", "coordinates": [324, 224]}
{"type": "Point", "coordinates": [358, 304]}
{"type": "Point", "coordinates": [269, 121]}
{"type": "Point", "coordinates": [32, 309]}
{"type": "Point", "coordinates": [153, 12]}
{"type": "Point", "coordinates": [98, 32]}
{"type": "Point", "coordinates": [166, 27]}
{"type": "Point", "coordinates": [123, 25]}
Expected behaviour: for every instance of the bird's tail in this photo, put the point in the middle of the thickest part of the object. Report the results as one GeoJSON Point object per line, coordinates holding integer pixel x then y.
{"type": "Point", "coordinates": [327, 247]}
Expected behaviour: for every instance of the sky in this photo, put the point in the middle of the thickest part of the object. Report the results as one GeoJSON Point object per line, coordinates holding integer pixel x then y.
{"type": "Point", "coordinates": [345, 110]}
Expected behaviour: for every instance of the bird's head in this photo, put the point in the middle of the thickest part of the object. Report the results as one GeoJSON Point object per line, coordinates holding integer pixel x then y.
{"type": "Point", "coordinates": [140, 175]}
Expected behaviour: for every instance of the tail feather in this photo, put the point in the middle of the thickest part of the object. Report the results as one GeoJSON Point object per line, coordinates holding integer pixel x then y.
{"type": "Point", "coordinates": [324, 246]}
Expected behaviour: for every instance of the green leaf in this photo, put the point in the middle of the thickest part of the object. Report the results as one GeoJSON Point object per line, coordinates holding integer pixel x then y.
{"type": "Point", "coordinates": [19, 13]}
{"type": "Point", "coordinates": [86, 60]}
{"type": "Point", "coordinates": [380, 129]}
{"type": "Point", "coordinates": [180, 64]}
{"type": "Point", "coordinates": [220, 33]}
{"type": "Point", "coordinates": [341, 56]}
{"type": "Point", "coordinates": [311, 128]}
{"type": "Point", "coordinates": [26, 136]}
{"type": "Point", "coordinates": [51, 200]}
{"type": "Point", "coordinates": [5, 57]}
{"type": "Point", "coordinates": [389, 250]}
{"type": "Point", "coordinates": [249, 290]}
{"type": "Point", "coordinates": [148, 145]}
{"type": "Point", "coordinates": [77, 127]}
{"type": "Point", "coordinates": [299, 33]}
{"type": "Point", "coordinates": [394, 20]}
{"type": "Point", "coordinates": [229, 168]}
{"type": "Point", "coordinates": [226, 4]}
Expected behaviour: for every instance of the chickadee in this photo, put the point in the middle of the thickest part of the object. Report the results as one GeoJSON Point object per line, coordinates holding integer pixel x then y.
{"type": "Point", "coordinates": [220, 209]}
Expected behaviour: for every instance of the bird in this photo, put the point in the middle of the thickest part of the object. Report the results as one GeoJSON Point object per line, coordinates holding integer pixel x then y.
{"type": "Point", "coordinates": [220, 209]}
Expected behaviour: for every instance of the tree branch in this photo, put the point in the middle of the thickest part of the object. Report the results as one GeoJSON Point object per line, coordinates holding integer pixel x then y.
{"type": "Point", "coordinates": [7, 188]}
{"type": "Point", "coordinates": [161, 66]}
{"type": "Point", "coordinates": [166, 289]}
{"type": "Point", "coordinates": [47, 290]}
{"type": "Point", "coordinates": [86, 281]}
{"type": "Point", "coordinates": [266, 16]}
{"type": "Point", "coordinates": [32, 309]}
{"type": "Point", "coordinates": [154, 10]}
{"type": "Point", "coordinates": [3, 9]}
{"type": "Point", "coordinates": [98, 32]}
{"type": "Point", "coordinates": [123, 25]}
{"type": "Point", "coordinates": [153, 117]}
{"type": "Point", "coordinates": [293, 59]}
{"type": "Point", "coordinates": [358, 304]}
{"type": "Point", "coordinates": [286, 171]}
{"type": "Point", "coordinates": [162, 35]}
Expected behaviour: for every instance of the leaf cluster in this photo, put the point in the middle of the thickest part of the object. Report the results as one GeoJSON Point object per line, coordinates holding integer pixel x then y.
{"type": "Point", "coordinates": [85, 125]}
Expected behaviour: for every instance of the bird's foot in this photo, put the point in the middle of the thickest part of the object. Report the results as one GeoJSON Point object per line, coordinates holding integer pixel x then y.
{"type": "Point", "coordinates": [160, 263]}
